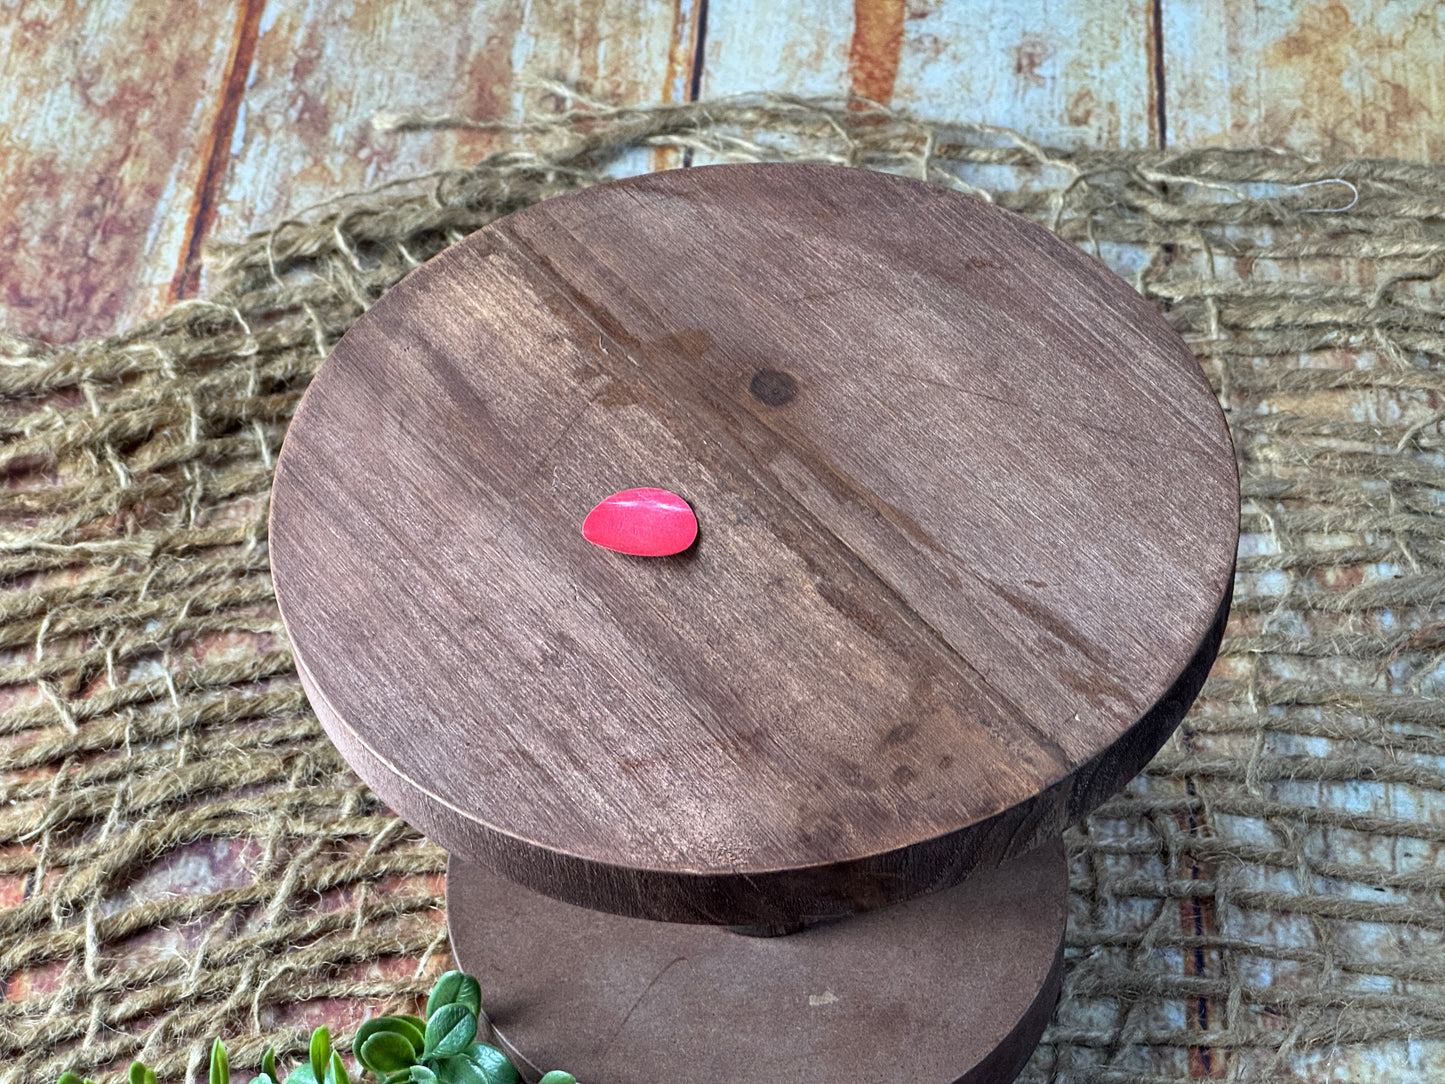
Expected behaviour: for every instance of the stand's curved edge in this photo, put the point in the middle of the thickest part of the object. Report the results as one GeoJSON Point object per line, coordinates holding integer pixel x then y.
{"type": "Point", "coordinates": [783, 897]}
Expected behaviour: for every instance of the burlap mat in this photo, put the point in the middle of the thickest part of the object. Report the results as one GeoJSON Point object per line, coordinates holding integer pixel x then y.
{"type": "Point", "coordinates": [184, 853]}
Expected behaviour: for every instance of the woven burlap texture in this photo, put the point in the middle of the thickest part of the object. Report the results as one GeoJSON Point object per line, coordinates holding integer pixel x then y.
{"type": "Point", "coordinates": [185, 854]}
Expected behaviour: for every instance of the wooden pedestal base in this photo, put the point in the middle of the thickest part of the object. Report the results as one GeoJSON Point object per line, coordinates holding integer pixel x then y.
{"type": "Point", "coordinates": [954, 986]}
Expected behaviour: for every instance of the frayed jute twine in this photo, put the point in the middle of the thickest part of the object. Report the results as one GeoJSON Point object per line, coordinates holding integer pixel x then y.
{"type": "Point", "coordinates": [184, 854]}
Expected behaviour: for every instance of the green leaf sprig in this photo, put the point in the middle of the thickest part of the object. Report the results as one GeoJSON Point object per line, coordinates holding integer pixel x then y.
{"type": "Point", "coordinates": [322, 1066]}
{"type": "Point", "coordinates": [442, 1049]}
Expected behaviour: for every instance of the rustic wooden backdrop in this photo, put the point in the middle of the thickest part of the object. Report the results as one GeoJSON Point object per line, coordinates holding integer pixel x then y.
{"type": "Point", "coordinates": [133, 130]}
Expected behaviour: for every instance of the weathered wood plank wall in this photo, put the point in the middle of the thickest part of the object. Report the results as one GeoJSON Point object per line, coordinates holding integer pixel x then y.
{"type": "Point", "coordinates": [103, 116]}
{"type": "Point", "coordinates": [1326, 78]}
{"type": "Point", "coordinates": [1062, 74]}
{"type": "Point", "coordinates": [129, 135]}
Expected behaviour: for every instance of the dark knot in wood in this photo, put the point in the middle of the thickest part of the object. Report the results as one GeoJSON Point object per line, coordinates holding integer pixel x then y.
{"type": "Point", "coordinates": [773, 387]}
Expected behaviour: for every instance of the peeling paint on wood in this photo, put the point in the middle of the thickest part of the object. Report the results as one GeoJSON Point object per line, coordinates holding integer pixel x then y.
{"type": "Point", "coordinates": [128, 136]}
{"type": "Point", "coordinates": [1319, 76]}
{"type": "Point", "coordinates": [1072, 76]}
{"type": "Point", "coordinates": [680, 82]}
{"type": "Point", "coordinates": [319, 77]}
{"type": "Point", "coordinates": [216, 148]}
{"type": "Point", "coordinates": [760, 45]}
{"type": "Point", "coordinates": [873, 53]}
{"type": "Point", "coordinates": [103, 110]}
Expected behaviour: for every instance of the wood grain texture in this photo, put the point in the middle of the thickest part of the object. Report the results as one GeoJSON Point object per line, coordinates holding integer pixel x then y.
{"type": "Point", "coordinates": [949, 595]}
{"type": "Point", "coordinates": [1071, 75]}
{"type": "Point", "coordinates": [105, 112]}
{"type": "Point", "coordinates": [322, 72]}
{"type": "Point", "coordinates": [954, 987]}
{"type": "Point", "coordinates": [1318, 76]}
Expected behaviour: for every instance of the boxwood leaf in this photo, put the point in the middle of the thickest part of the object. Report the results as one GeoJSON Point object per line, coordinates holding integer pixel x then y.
{"type": "Point", "coordinates": [385, 1052]}
{"type": "Point", "coordinates": [455, 988]}
{"type": "Point", "coordinates": [494, 1063]}
{"type": "Point", "coordinates": [408, 1028]}
{"type": "Point", "coordinates": [413, 1027]}
{"type": "Point", "coordinates": [449, 1030]}
{"type": "Point", "coordinates": [556, 1076]}
{"type": "Point", "coordinates": [481, 1064]}
{"type": "Point", "coordinates": [460, 1070]}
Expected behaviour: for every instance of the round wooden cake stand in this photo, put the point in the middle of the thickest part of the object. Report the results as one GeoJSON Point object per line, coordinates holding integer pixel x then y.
{"type": "Point", "coordinates": [954, 985]}
{"type": "Point", "coordinates": [967, 509]}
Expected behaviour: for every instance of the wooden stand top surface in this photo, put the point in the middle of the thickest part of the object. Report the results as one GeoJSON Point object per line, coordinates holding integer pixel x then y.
{"type": "Point", "coordinates": [968, 512]}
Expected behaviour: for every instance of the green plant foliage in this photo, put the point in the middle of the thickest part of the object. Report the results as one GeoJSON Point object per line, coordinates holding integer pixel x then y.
{"type": "Point", "coordinates": [455, 988]}
{"type": "Point", "coordinates": [442, 1049]}
{"type": "Point", "coordinates": [478, 1064]}
{"type": "Point", "coordinates": [320, 1052]}
{"type": "Point", "coordinates": [220, 1065]}
{"type": "Point", "coordinates": [410, 1030]}
{"type": "Point", "coordinates": [386, 1052]}
{"type": "Point", "coordinates": [268, 1074]}
{"type": "Point", "coordinates": [449, 1031]}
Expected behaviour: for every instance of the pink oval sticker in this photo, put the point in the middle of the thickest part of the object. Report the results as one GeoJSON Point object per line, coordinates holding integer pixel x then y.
{"type": "Point", "coordinates": [642, 522]}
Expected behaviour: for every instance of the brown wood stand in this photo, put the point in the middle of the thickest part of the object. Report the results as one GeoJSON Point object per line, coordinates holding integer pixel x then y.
{"type": "Point", "coordinates": [968, 511]}
{"type": "Point", "coordinates": [955, 985]}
